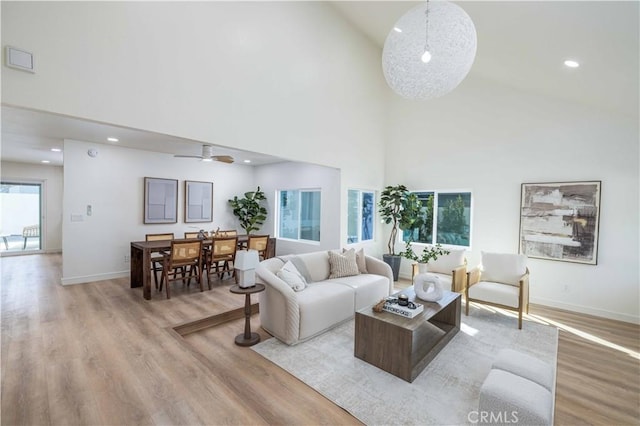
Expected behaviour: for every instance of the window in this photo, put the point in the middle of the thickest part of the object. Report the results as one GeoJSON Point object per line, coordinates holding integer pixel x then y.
{"type": "Point", "coordinates": [448, 223]}
{"type": "Point", "coordinates": [360, 215]}
{"type": "Point", "coordinates": [299, 214]}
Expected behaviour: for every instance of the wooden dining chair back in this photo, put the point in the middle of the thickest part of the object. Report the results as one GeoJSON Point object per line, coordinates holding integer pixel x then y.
{"type": "Point", "coordinates": [188, 235]}
{"type": "Point", "coordinates": [259, 243]}
{"type": "Point", "coordinates": [222, 256]}
{"type": "Point", "coordinates": [227, 233]}
{"type": "Point", "coordinates": [182, 263]}
{"type": "Point", "coordinates": [156, 259]}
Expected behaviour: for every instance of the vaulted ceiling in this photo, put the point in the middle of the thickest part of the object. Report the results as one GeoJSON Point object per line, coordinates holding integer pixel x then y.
{"type": "Point", "coordinates": [521, 44]}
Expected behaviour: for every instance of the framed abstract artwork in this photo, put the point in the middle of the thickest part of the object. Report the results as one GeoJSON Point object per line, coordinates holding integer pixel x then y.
{"type": "Point", "coordinates": [160, 200]}
{"type": "Point", "coordinates": [559, 221]}
{"type": "Point", "coordinates": [198, 201]}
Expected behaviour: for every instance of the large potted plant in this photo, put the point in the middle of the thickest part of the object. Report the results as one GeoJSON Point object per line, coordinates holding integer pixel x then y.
{"type": "Point", "coordinates": [249, 210]}
{"type": "Point", "coordinates": [401, 209]}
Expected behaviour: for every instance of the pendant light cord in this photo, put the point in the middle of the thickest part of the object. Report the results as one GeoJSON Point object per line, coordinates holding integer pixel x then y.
{"type": "Point", "coordinates": [426, 35]}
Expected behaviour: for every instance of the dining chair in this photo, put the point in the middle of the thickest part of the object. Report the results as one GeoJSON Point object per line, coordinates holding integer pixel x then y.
{"type": "Point", "coordinates": [227, 233]}
{"type": "Point", "coordinates": [220, 256]}
{"type": "Point", "coordinates": [184, 257]}
{"type": "Point", "coordinates": [156, 259]}
{"type": "Point", "coordinates": [259, 243]}
{"type": "Point", "coordinates": [188, 235]}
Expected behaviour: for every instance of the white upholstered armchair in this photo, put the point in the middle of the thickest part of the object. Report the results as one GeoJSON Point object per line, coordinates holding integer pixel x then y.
{"type": "Point", "coordinates": [451, 270]}
{"type": "Point", "coordinates": [502, 281]}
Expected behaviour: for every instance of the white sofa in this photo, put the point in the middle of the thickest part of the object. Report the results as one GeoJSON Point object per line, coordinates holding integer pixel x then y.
{"type": "Point", "coordinates": [294, 316]}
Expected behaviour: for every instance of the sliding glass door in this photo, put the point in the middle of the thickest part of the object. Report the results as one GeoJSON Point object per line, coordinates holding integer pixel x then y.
{"type": "Point", "coordinates": [21, 217]}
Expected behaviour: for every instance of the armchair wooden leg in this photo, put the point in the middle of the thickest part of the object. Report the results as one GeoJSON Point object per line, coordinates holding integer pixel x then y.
{"type": "Point", "coordinates": [466, 305]}
{"type": "Point", "coordinates": [520, 319]}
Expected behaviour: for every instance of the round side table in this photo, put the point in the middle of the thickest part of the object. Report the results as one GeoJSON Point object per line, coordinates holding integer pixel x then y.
{"type": "Point", "coordinates": [247, 338]}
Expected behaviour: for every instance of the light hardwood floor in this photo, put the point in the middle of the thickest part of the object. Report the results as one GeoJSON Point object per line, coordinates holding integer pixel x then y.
{"type": "Point", "coordinates": [99, 353]}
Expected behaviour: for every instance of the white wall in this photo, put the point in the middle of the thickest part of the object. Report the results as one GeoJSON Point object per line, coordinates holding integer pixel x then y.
{"type": "Point", "coordinates": [293, 79]}
{"type": "Point", "coordinates": [274, 177]}
{"type": "Point", "coordinates": [113, 184]}
{"type": "Point", "coordinates": [51, 176]}
{"type": "Point", "coordinates": [490, 139]}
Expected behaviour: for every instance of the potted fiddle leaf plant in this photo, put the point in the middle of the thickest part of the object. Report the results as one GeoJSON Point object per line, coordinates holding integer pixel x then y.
{"type": "Point", "coordinates": [401, 209]}
{"type": "Point", "coordinates": [249, 210]}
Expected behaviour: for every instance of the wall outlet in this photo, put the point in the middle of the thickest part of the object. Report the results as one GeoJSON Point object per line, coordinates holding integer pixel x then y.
{"type": "Point", "coordinates": [126, 258]}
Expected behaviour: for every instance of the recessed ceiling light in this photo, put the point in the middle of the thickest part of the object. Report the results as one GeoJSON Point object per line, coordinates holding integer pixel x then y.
{"type": "Point", "coordinates": [247, 161]}
{"type": "Point", "coordinates": [56, 150]}
{"type": "Point", "coordinates": [207, 159]}
{"type": "Point", "coordinates": [113, 139]}
{"type": "Point", "coordinates": [571, 63]}
{"type": "Point", "coordinates": [396, 29]}
{"type": "Point", "coordinates": [45, 161]}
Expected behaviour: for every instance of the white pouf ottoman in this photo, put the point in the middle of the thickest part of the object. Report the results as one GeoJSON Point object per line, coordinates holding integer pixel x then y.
{"type": "Point", "coordinates": [519, 389]}
{"type": "Point", "coordinates": [508, 399]}
{"type": "Point", "coordinates": [526, 366]}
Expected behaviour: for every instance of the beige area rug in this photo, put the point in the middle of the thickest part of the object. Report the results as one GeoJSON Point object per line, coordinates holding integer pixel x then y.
{"type": "Point", "coordinates": [443, 394]}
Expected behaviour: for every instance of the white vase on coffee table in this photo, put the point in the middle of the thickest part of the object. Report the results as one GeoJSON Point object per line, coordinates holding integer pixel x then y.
{"type": "Point", "coordinates": [427, 287]}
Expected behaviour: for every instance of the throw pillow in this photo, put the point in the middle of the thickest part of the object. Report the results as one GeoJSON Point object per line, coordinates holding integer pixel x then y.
{"type": "Point", "coordinates": [289, 274]}
{"type": "Point", "coordinates": [302, 268]}
{"type": "Point", "coordinates": [343, 265]}
{"type": "Point", "coordinates": [360, 260]}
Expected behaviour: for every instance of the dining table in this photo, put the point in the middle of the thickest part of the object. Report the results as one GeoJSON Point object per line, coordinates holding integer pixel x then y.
{"type": "Point", "coordinates": [141, 252]}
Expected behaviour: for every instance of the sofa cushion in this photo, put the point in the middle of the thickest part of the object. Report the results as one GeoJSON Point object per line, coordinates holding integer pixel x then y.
{"type": "Point", "coordinates": [448, 262]}
{"type": "Point", "coordinates": [323, 305]}
{"type": "Point", "coordinates": [369, 288]}
{"type": "Point", "coordinates": [302, 268]}
{"type": "Point", "coordinates": [290, 274]}
{"type": "Point", "coordinates": [360, 260]}
{"type": "Point", "coordinates": [507, 295]}
{"type": "Point", "coordinates": [317, 264]}
{"type": "Point", "coordinates": [342, 265]}
{"type": "Point", "coordinates": [503, 267]}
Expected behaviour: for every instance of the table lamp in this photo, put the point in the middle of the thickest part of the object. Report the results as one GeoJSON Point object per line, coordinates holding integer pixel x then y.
{"type": "Point", "coordinates": [245, 266]}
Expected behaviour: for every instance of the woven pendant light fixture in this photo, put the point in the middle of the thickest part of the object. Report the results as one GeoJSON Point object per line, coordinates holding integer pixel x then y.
{"type": "Point", "coordinates": [429, 51]}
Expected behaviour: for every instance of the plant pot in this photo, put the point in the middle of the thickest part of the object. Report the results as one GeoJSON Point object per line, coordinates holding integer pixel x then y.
{"type": "Point", "coordinates": [422, 268]}
{"type": "Point", "coordinates": [393, 260]}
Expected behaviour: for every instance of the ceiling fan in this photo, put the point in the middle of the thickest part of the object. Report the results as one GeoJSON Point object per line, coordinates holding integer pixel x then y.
{"type": "Point", "coordinates": [207, 155]}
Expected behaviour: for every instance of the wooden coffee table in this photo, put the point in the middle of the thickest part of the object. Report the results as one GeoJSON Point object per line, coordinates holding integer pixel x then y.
{"type": "Point", "coordinates": [405, 346]}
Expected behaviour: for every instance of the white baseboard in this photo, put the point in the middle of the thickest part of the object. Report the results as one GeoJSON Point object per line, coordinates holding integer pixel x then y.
{"type": "Point", "coordinates": [587, 310]}
{"type": "Point", "coordinates": [29, 252]}
{"type": "Point", "coordinates": [52, 251]}
{"type": "Point", "coordinates": [91, 278]}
